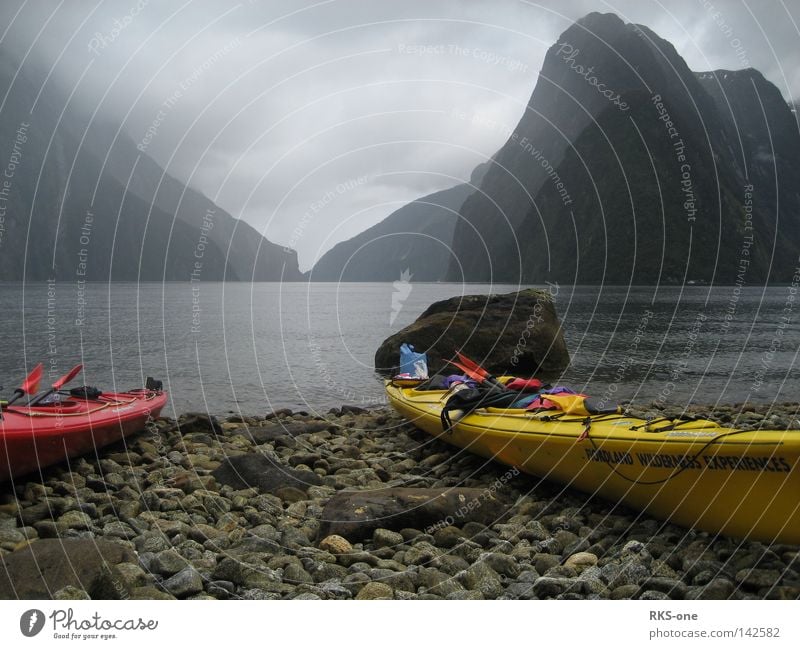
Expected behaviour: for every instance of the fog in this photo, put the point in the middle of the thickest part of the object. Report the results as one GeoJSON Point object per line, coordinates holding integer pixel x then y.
{"type": "Point", "coordinates": [336, 113]}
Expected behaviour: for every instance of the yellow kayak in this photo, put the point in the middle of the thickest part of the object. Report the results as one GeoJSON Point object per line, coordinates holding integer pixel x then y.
{"type": "Point", "coordinates": [696, 474]}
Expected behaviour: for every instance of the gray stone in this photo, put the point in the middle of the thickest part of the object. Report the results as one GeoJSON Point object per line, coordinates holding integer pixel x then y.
{"type": "Point", "coordinates": [485, 327]}
{"type": "Point", "coordinates": [479, 576]}
{"type": "Point", "coordinates": [465, 594]}
{"type": "Point", "coordinates": [653, 594]}
{"type": "Point", "coordinates": [382, 538]}
{"type": "Point", "coordinates": [168, 562]}
{"type": "Point", "coordinates": [295, 574]}
{"type": "Point", "coordinates": [756, 578]}
{"type": "Point", "coordinates": [544, 562]}
{"type": "Point", "coordinates": [673, 588]}
{"type": "Point", "coordinates": [46, 566]}
{"type": "Point", "coordinates": [185, 583]}
{"type": "Point", "coordinates": [628, 591]}
{"type": "Point", "coordinates": [501, 563]}
{"type": "Point", "coordinates": [447, 537]}
{"type": "Point", "coordinates": [356, 514]}
{"type": "Point", "coordinates": [71, 593]}
{"type": "Point", "coordinates": [519, 590]}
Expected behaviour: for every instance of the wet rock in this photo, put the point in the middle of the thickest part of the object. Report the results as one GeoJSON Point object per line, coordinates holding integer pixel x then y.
{"type": "Point", "coordinates": [335, 544]}
{"type": "Point", "coordinates": [382, 538]}
{"type": "Point", "coordinates": [260, 471]}
{"type": "Point", "coordinates": [486, 327]}
{"type": "Point", "coordinates": [275, 431]}
{"type": "Point", "coordinates": [47, 566]}
{"type": "Point", "coordinates": [184, 583]}
{"type": "Point", "coordinates": [580, 561]}
{"type": "Point", "coordinates": [549, 587]}
{"type": "Point", "coordinates": [481, 577]}
{"type": "Point", "coordinates": [195, 421]}
{"type": "Point", "coordinates": [167, 562]}
{"type": "Point", "coordinates": [448, 537]}
{"type": "Point", "coordinates": [756, 578]}
{"type": "Point", "coordinates": [375, 590]}
{"type": "Point", "coordinates": [355, 515]}
{"type": "Point", "coordinates": [544, 562]}
{"type": "Point", "coordinates": [71, 593]}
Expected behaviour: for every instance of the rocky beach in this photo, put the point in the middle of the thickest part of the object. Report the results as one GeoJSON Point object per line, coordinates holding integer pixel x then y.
{"type": "Point", "coordinates": [353, 504]}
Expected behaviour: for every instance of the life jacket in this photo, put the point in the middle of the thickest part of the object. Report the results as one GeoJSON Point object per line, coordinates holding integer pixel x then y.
{"type": "Point", "coordinates": [525, 385]}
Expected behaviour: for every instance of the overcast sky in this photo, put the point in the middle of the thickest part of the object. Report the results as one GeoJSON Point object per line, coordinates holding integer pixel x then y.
{"type": "Point", "coordinates": [335, 113]}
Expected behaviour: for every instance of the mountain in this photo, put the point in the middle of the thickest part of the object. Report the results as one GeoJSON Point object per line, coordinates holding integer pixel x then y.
{"type": "Point", "coordinates": [79, 201]}
{"type": "Point", "coordinates": [414, 239]}
{"type": "Point", "coordinates": [627, 167]}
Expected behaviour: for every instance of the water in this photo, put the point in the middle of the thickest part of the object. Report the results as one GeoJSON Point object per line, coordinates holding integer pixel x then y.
{"type": "Point", "coordinates": [252, 348]}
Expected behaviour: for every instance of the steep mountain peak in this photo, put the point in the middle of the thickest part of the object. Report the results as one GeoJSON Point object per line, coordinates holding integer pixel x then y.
{"type": "Point", "coordinates": [620, 136]}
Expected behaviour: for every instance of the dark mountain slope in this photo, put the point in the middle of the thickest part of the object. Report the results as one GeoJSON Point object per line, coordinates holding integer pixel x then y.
{"type": "Point", "coordinates": [68, 212]}
{"type": "Point", "coordinates": [416, 238]}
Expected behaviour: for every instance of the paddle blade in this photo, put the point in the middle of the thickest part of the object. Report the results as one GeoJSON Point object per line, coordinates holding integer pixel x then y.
{"type": "Point", "coordinates": [472, 364]}
{"type": "Point", "coordinates": [31, 382]}
{"type": "Point", "coordinates": [68, 377]}
{"type": "Point", "coordinates": [468, 371]}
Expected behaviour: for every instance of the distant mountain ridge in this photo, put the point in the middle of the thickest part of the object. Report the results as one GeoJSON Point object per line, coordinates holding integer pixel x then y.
{"type": "Point", "coordinates": [414, 239]}
{"type": "Point", "coordinates": [88, 205]}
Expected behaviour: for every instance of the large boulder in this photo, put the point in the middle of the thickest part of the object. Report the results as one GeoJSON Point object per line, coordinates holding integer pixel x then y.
{"type": "Point", "coordinates": [262, 471]}
{"type": "Point", "coordinates": [47, 566]}
{"type": "Point", "coordinates": [355, 515]}
{"type": "Point", "coordinates": [514, 333]}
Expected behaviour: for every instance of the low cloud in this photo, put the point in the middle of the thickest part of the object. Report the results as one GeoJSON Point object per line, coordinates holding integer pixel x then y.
{"type": "Point", "coordinates": [272, 104]}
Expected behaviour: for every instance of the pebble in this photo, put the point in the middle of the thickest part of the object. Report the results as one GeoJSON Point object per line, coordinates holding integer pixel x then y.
{"type": "Point", "coordinates": [335, 544]}
{"type": "Point", "coordinates": [198, 539]}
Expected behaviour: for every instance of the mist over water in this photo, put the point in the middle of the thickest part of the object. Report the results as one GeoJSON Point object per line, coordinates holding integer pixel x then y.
{"type": "Point", "coordinates": [251, 348]}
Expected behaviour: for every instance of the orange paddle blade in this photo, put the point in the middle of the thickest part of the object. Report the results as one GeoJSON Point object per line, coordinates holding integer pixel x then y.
{"type": "Point", "coordinates": [31, 382]}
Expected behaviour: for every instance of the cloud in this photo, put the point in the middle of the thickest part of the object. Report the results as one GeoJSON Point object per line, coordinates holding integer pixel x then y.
{"type": "Point", "coordinates": [267, 106]}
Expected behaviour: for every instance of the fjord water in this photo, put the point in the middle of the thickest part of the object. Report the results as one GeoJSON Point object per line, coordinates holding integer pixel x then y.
{"type": "Point", "coordinates": [250, 348]}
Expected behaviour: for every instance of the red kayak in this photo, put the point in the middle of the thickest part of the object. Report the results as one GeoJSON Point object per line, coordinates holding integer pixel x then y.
{"type": "Point", "coordinates": [35, 436]}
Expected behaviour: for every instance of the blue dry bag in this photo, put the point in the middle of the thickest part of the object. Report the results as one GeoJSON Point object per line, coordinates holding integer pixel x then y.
{"type": "Point", "coordinates": [413, 363]}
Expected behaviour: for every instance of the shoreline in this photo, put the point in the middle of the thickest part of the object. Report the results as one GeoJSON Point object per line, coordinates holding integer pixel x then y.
{"type": "Point", "coordinates": [241, 508]}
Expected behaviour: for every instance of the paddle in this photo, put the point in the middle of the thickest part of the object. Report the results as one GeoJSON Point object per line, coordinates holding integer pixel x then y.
{"type": "Point", "coordinates": [29, 385]}
{"type": "Point", "coordinates": [476, 371]}
{"type": "Point", "coordinates": [59, 384]}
